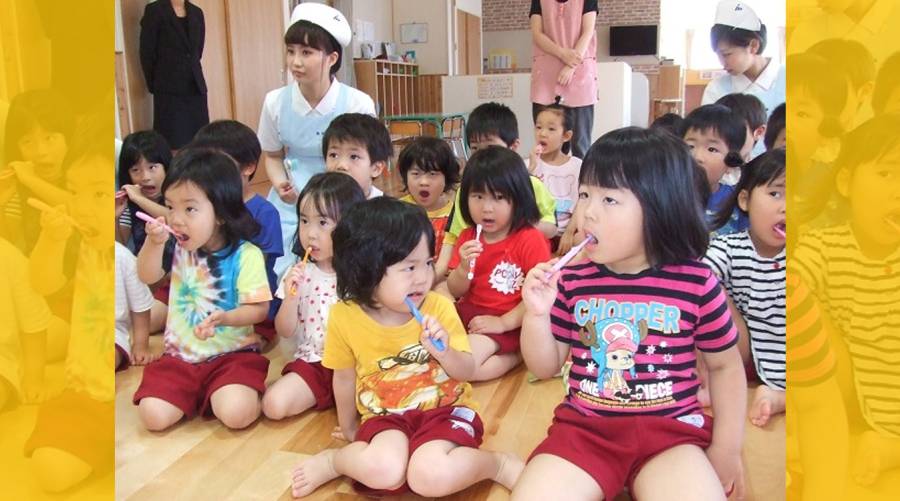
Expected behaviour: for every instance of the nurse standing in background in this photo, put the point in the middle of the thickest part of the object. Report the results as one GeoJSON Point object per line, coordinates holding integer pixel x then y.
{"type": "Point", "coordinates": [294, 117]}
{"type": "Point", "coordinates": [739, 38]}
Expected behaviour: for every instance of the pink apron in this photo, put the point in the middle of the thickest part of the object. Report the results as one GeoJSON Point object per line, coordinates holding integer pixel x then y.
{"type": "Point", "coordinates": [562, 23]}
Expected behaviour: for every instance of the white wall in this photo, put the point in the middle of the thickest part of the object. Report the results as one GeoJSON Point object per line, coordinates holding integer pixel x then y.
{"type": "Point", "coordinates": [434, 55]}
{"type": "Point", "coordinates": [471, 6]}
{"type": "Point", "coordinates": [378, 12]}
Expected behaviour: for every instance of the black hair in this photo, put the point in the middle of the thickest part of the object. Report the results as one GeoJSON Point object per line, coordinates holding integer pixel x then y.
{"type": "Point", "coordinates": [776, 124]}
{"type": "Point", "coordinates": [737, 37]}
{"type": "Point", "coordinates": [496, 169]}
{"type": "Point", "coordinates": [869, 141]}
{"type": "Point", "coordinates": [232, 137]}
{"type": "Point", "coordinates": [826, 84]}
{"type": "Point", "coordinates": [213, 172]}
{"type": "Point", "coordinates": [314, 36]}
{"type": "Point", "coordinates": [887, 81]}
{"type": "Point", "coordinates": [725, 123]}
{"type": "Point", "coordinates": [850, 55]}
{"type": "Point", "coordinates": [363, 129]}
{"type": "Point", "coordinates": [748, 107]}
{"type": "Point", "coordinates": [430, 154]}
{"type": "Point", "coordinates": [372, 236]}
{"type": "Point", "coordinates": [760, 171]}
{"type": "Point", "coordinates": [658, 169]}
{"type": "Point", "coordinates": [568, 119]}
{"type": "Point", "coordinates": [147, 144]}
{"type": "Point", "coordinates": [670, 122]}
{"type": "Point", "coordinates": [333, 193]}
{"type": "Point", "coordinates": [42, 107]}
{"type": "Point", "coordinates": [492, 119]}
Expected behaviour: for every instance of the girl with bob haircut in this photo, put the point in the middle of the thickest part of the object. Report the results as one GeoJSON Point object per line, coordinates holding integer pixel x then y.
{"type": "Point", "coordinates": [631, 315]}
{"type": "Point", "coordinates": [219, 290]}
{"type": "Point", "coordinates": [489, 266]}
{"type": "Point", "coordinates": [400, 385]}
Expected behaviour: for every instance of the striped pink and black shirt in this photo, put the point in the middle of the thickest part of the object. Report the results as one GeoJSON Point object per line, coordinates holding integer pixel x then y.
{"type": "Point", "coordinates": [633, 336]}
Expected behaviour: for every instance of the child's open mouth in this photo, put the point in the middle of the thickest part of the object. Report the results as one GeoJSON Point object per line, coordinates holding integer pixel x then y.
{"type": "Point", "coordinates": [148, 190]}
{"type": "Point", "coordinates": [780, 229]}
{"type": "Point", "coordinates": [424, 194]}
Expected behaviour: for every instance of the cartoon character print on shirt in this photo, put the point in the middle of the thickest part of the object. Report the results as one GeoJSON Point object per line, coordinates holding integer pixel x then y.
{"type": "Point", "coordinates": [613, 344]}
{"type": "Point", "coordinates": [506, 277]}
{"type": "Point", "coordinates": [412, 379]}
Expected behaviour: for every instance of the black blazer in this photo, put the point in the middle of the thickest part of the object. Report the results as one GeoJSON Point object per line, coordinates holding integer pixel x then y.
{"type": "Point", "coordinates": [171, 60]}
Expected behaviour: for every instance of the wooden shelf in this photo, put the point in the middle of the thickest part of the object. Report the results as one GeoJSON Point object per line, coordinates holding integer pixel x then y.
{"type": "Point", "coordinates": [392, 85]}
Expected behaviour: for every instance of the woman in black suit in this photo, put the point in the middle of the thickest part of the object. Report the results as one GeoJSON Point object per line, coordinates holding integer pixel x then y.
{"type": "Point", "coordinates": [172, 36]}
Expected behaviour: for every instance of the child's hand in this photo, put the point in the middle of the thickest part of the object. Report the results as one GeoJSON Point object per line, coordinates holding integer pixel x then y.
{"type": "Point", "coordinates": [570, 57]}
{"type": "Point", "coordinates": [486, 324]}
{"type": "Point", "coordinates": [538, 294]}
{"type": "Point", "coordinates": [121, 202]}
{"type": "Point", "coordinates": [7, 185]}
{"type": "Point", "coordinates": [294, 279]}
{"type": "Point", "coordinates": [565, 76]}
{"type": "Point", "coordinates": [33, 391]}
{"type": "Point", "coordinates": [287, 193]}
{"type": "Point", "coordinates": [432, 331]}
{"type": "Point", "coordinates": [56, 224]}
{"type": "Point", "coordinates": [207, 328]}
{"type": "Point", "coordinates": [729, 468]}
{"type": "Point", "coordinates": [468, 251]}
{"type": "Point", "coordinates": [347, 435]}
{"type": "Point", "coordinates": [156, 232]}
{"type": "Point", "coordinates": [533, 157]}
{"type": "Point", "coordinates": [23, 169]}
{"type": "Point", "coordinates": [141, 355]}
{"type": "Point", "coordinates": [133, 191]}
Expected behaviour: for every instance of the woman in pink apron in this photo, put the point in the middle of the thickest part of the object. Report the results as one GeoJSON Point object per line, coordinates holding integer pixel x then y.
{"type": "Point", "coordinates": [565, 62]}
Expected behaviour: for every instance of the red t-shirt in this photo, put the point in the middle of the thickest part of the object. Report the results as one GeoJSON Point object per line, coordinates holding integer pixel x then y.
{"type": "Point", "coordinates": [500, 270]}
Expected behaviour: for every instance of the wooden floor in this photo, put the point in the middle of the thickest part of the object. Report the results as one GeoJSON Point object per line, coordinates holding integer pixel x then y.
{"type": "Point", "coordinates": [201, 459]}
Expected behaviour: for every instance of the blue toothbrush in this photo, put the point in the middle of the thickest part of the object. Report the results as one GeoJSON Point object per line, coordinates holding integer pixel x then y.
{"type": "Point", "coordinates": [438, 343]}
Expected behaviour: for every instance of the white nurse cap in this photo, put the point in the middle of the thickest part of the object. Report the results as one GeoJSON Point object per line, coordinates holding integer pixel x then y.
{"type": "Point", "coordinates": [737, 15]}
{"type": "Point", "coordinates": [330, 19]}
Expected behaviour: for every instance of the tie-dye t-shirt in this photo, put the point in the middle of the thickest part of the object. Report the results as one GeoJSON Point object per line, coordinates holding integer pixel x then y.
{"type": "Point", "coordinates": [203, 283]}
{"type": "Point", "coordinates": [633, 336]}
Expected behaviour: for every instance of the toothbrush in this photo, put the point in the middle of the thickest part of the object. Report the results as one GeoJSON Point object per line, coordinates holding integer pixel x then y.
{"type": "Point", "coordinates": [149, 219]}
{"type": "Point", "coordinates": [780, 232]}
{"type": "Point", "coordinates": [471, 274]}
{"type": "Point", "coordinates": [305, 259]}
{"type": "Point", "coordinates": [569, 256]}
{"type": "Point", "coordinates": [892, 224]}
{"type": "Point", "coordinates": [41, 206]}
{"type": "Point", "coordinates": [439, 344]}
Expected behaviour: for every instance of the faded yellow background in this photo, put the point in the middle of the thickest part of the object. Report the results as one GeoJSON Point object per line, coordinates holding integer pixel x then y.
{"type": "Point", "coordinates": [56, 266]}
{"type": "Point", "coordinates": [834, 450]}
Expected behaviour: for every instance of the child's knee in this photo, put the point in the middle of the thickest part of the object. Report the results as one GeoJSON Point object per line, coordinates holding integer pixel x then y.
{"type": "Point", "coordinates": [238, 415]}
{"type": "Point", "coordinates": [430, 477]}
{"type": "Point", "coordinates": [274, 405]}
{"type": "Point", "coordinates": [158, 415]}
{"type": "Point", "coordinates": [57, 470]}
{"type": "Point", "coordinates": [385, 472]}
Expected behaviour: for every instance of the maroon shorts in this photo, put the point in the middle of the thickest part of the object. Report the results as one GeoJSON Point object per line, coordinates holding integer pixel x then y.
{"type": "Point", "coordinates": [78, 424]}
{"type": "Point", "coordinates": [613, 450]}
{"type": "Point", "coordinates": [459, 425]}
{"type": "Point", "coordinates": [508, 341]}
{"type": "Point", "coordinates": [317, 377]}
{"type": "Point", "coordinates": [126, 360]}
{"type": "Point", "coordinates": [189, 386]}
{"type": "Point", "coordinates": [161, 292]}
{"type": "Point", "coordinates": [266, 330]}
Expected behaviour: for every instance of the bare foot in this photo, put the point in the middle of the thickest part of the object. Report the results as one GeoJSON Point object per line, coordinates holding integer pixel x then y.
{"type": "Point", "coordinates": [766, 403]}
{"type": "Point", "coordinates": [510, 468]}
{"type": "Point", "coordinates": [313, 472]}
{"type": "Point", "coordinates": [875, 455]}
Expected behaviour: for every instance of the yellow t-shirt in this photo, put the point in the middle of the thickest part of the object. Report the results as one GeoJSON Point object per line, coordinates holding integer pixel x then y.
{"type": "Point", "coordinates": [545, 202]}
{"type": "Point", "coordinates": [394, 373]}
{"type": "Point", "coordinates": [438, 219]}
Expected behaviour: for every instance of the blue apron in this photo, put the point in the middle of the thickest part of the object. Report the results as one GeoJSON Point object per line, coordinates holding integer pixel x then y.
{"type": "Point", "coordinates": [302, 139]}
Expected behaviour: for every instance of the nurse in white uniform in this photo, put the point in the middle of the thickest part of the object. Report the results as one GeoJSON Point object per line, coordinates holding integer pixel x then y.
{"type": "Point", "coordinates": [739, 38]}
{"type": "Point", "coordinates": [294, 117]}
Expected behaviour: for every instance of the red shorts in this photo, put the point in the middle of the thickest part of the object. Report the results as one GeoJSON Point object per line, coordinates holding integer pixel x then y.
{"type": "Point", "coordinates": [78, 424]}
{"type": "Point", "coordinates": [126, 360]}
{"type": "Point", "coordinates": [508, 341]}
{"type": "Point", "coordinates": [189, 386]}
{"type": "Point", "coordinates": [266, 330]}
{"type": "Point", "coordinates": [459, 425]}
{"type": "Point", "coordinates": [161, 292]}
{"type": "Point", "coordinates": [613, 450]}
{"type": "Point", "coordinates": [317, 377]}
